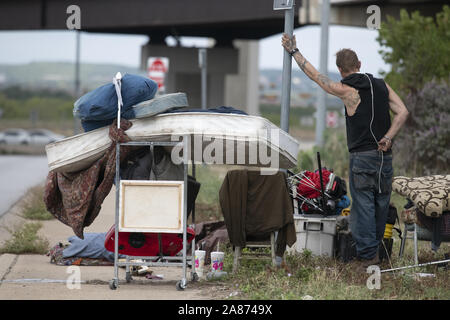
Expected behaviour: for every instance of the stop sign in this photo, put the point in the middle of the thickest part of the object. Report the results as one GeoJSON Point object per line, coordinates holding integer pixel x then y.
{"type": "Point", "coordinates": [157, 67]}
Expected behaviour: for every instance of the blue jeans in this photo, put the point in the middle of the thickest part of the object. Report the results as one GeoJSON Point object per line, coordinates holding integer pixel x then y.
{"type": "Point", "coordinates": [370, 180]}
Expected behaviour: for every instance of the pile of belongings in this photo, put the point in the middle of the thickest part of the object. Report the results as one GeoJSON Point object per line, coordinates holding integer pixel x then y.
{"type": "Point", "coordinates": [306, 189]}
{"type": "Point", "coordinates": [75, 198]}
{"type": "Point", "coordinates": [98, 108]}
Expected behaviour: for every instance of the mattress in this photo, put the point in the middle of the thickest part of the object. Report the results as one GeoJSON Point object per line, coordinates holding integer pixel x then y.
{"type": "Point", "coordinates": [157, 105]}
{"type": "Point", "coordinates": [215, 138]}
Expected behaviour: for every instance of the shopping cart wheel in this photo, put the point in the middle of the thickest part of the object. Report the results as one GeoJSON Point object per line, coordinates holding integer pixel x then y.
{"type": "Point", "coordinates": [113, 284]}
{"type": "Point", "coordinates": [195, 277]}
{"type": "Point", "coordinates": [180, 286]}
{"type": "Point", "coordinates": [128, 277]}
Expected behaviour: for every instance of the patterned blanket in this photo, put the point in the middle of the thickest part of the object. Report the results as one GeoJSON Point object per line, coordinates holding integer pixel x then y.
{"type": "Point", "coordinates": [75, 198]}
{"type": "Point", "coordinates": [430, 194]}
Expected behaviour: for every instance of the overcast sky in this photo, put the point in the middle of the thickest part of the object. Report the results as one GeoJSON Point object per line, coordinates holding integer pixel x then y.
{"type": "Point", "coordinates": [19, 47]}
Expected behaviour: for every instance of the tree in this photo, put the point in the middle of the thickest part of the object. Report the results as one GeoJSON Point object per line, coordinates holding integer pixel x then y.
{"type": "Point", "coordinates": [427, 133]}
{"type": "Point", "coordinates": [418, 50]}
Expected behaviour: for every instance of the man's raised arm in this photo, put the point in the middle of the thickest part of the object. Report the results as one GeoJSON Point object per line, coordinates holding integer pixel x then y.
{"type": "Point", "coordinates": [334, 88]}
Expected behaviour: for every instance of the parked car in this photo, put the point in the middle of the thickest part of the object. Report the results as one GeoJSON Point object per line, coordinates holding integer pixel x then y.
{"type": "Point", "coordinates": [14, 136]}
{"type": "Point", "coordinates": [43, 136]}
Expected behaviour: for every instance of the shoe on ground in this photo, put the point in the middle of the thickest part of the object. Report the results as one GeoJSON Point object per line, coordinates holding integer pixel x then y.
{"type": "Point", "coordinates": [361, 265]}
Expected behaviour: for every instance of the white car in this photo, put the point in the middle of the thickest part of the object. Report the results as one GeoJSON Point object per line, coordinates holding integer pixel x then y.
{"type": "Point", "coordinates": [14, 136]}
{"type": "Point", "coordinates": [43, 136]}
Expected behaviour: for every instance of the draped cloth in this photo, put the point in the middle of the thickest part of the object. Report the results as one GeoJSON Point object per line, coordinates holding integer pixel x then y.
{"type": "Point", "coordinates": [75, 199]}
{"type": "Point", "coordinates": [254, 205]}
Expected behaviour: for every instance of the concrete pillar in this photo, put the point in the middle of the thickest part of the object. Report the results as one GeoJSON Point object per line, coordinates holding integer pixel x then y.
{"type": "Point", "coordinates": [242, 89]}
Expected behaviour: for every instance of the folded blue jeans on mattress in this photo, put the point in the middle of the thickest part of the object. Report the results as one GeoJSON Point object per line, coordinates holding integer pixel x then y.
{"type": "Point", "coordinates": [101, 103]}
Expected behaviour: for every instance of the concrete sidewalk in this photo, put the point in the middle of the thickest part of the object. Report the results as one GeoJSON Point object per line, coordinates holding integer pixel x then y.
{"type": "Point", "coordinates": [34, 277]}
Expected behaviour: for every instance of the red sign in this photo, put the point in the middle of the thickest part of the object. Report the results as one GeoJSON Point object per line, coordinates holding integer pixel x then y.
{"type": "Point", "coordinates": [157, 67]}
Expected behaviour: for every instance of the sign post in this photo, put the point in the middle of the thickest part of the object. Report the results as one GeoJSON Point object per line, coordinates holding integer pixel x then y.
{"type": "Point", "coordinates": [203, 65]}
{"type": "Point", "coordinates": [322, 98]}
{"type": "Point", "coordinates": [288, 7]}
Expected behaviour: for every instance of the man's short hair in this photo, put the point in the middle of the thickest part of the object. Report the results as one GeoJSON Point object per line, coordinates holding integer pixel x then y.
{"type": "Point", "coordinates": [347, 60]}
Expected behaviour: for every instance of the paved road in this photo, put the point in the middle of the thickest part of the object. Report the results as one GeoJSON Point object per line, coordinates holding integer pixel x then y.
{"type": "Point", "coordinates": [17, 174]}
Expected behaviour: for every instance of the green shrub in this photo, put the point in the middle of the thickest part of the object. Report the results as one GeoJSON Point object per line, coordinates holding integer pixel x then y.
{"type": "Point", "coordinates": [424, 141]}
{"type": "Point", "coordinates": [26, 240]}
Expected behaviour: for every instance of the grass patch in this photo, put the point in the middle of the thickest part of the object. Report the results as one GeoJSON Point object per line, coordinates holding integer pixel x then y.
{"type": "Point", "coordinates": [207, 205]}
{"type": "Point", "coordinates": [26, 240]}
{"type": "Point", "coordinates": [34, 208]}
{"type": "Point", "coordinates": [305, 275]}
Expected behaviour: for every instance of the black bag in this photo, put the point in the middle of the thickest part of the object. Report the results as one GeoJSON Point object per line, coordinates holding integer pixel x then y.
{"type": "Point", "coordinates": [385, 249]}
{"type": "Point", "coordinates": [345, 247]}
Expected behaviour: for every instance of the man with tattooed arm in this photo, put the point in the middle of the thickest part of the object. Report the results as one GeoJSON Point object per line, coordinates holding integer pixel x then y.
{"type": "Point", "coordinates": [370, 131]}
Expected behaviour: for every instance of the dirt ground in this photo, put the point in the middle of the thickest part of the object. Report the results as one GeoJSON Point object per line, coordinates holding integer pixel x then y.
{"type": "Point", "coordinates": [33, 277]}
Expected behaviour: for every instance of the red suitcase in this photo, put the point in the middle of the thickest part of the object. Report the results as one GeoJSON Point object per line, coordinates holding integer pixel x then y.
{"type": "Point", "coordinates": [147, 244]}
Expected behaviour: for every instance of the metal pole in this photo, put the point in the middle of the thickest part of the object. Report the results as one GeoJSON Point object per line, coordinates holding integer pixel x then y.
{"type": "Point", "coordinates": [76, 124]}
{"type": "Point", "coordinates": [322, 190]}
{"type": "Point", "coordinates": [203, 64]}
{"type": "Point", "coordinates": [185, 165]}
{"type": "Point", "coordinates": [322, 97]}
{"type": "Point", "coordinates": [417, 265]}
{"type": "Point", "coordinates": [116, 217]}
{"type": "Point", "coordinates": [287, 68]}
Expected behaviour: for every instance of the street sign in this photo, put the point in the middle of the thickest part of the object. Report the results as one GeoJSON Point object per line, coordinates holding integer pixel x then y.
{"type": "Point", "coordinates": [157, 68]}
{"type": "Point", "coordinates": [283, 4]}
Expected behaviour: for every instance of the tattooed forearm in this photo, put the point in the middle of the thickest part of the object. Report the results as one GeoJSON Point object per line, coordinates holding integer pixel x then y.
{"type": "Point", "coordinates": [303, 64]}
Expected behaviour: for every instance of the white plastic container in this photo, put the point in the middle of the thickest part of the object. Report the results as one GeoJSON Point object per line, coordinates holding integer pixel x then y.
{"type": "Point", "coordinates": [316, 233]}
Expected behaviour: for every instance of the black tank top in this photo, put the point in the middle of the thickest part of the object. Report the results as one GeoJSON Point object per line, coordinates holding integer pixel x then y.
{"type": "Point", "coordinates": [359, 137]}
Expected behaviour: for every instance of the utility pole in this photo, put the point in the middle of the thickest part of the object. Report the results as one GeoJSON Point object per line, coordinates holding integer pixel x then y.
{"type": "Point", "coordinates": [288, 7]}
{"type": "Point", "coordinates": [323, 68]}
{"type": "Point", "coordinates": [76, 124]}
{"type": "Point", "coordinates": [203, 64]}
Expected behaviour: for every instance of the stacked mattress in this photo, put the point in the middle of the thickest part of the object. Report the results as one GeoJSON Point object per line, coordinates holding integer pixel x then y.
{"type": "Point", "coordinates": [230, 138]}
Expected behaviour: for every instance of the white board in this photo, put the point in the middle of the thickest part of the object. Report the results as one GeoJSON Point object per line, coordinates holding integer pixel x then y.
{"type": "Point", "coordinates": [151, 206]}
